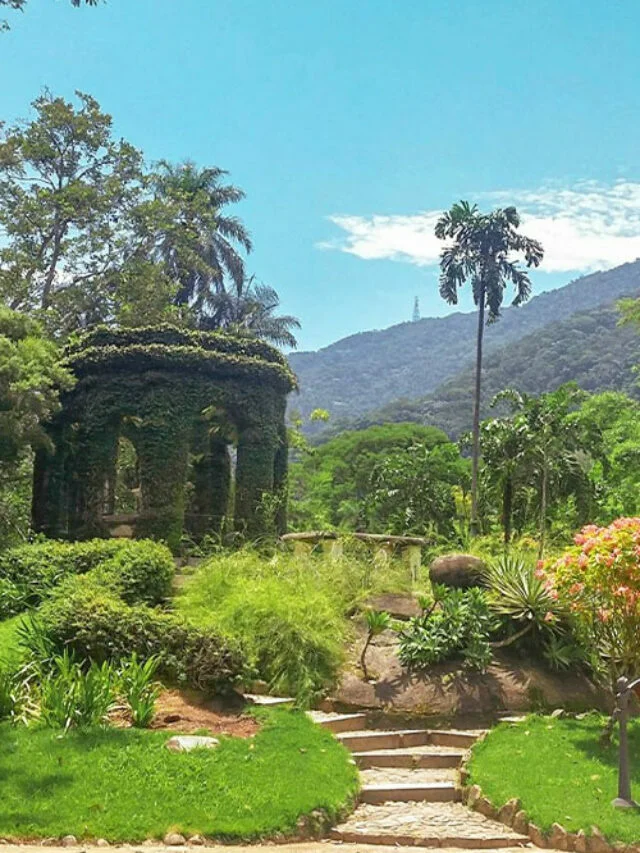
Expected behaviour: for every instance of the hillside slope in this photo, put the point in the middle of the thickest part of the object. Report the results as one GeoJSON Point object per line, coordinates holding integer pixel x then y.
{"type": "Point", "coordinates": [589, 348]}
{"type": "Point", "coordinates": [410, 360]}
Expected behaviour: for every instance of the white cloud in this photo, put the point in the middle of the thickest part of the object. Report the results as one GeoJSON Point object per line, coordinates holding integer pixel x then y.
{"type": "Point", "coordinates": [586, 227]}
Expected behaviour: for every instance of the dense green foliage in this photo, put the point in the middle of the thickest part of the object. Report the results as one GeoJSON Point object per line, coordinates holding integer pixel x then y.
{"type": "Point", "coordinates": [141, 570]}
{"type": "Point", "coordinates": [558, 336]}
{"type": "Point", "coordinates": [561, 771]}
{"type": "Point", "coordinates": [370, 478]}
{"type": "Point", "coordinates": [244, 789]}
{"type": "Point", "coordinates": [95, 623]}
{"type": "Point", "coordinates": [456, 626]}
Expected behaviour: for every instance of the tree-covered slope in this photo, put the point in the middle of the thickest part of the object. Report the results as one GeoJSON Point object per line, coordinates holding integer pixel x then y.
{"type": "Point", "coordinates": [589, 348]}
{"type": "Point", "coordinates": [410, 360]}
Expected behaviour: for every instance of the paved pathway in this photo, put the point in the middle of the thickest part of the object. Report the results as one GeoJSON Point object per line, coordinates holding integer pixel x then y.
{"type": "Point", "coordinates": [411, 794]}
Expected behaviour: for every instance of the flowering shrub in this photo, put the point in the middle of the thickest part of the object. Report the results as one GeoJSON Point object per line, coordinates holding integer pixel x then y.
{"type": "Point", "coordinates": [599, 581]}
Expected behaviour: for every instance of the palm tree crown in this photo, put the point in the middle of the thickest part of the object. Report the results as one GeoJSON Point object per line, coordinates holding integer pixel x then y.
{"type": "Point", "coordinates": [480, 251]}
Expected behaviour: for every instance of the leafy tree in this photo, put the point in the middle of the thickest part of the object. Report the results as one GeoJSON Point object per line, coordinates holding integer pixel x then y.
{"type": "Point", "coordinates": [480, 251]}
{"type": "Point", "coordinates": [329, 487]}
{"type": "Point", "coordinates": [412, 490]}
{"type": "Point", "coordinates": [65, 189]}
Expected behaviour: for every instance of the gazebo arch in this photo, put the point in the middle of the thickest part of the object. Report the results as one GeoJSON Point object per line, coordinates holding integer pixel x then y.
{"type": "Point", "coordinates": [182, 398]}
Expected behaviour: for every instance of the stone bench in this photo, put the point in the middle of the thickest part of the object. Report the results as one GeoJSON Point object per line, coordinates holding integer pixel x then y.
{"type": "Point", "coordinates": [384, 546]}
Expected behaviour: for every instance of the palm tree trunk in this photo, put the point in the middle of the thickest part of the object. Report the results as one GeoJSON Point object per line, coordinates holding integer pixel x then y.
{"type": "Point", "coordinates": [543, 508]}
{"type": "Point", "coordinates": [476, 418]}
{"type": "Point", "coordinates": [507, 509]}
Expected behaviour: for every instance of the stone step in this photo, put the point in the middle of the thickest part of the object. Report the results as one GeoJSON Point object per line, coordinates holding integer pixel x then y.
{"type": "Point", "coordinates": [403, 775]}
{"type": "Point", "coordinates": [338, 723]}
{"type": "Point", "coordinates": [410, 792]}
{"type": "Point", "coordinates": [409, 758]}
{"type": "Point", "coordinates": [425, 824]}
{"type": "Point", "coordinates": [366, 741]}
{"type": "Point", "coordinates": [369, 741]}
{"type": "Point", "coordinates": [451, 737]}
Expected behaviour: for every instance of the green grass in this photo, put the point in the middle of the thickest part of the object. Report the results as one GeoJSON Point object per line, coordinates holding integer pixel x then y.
{"type": "Point", "coordinates": [561, 773]}
{"type": "Point", "coordinates": [123, 785]}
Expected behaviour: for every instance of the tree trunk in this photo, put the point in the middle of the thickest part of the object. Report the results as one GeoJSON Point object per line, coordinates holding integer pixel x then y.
{"type": "Point", "coordinates": [543, 508]}
{"type": "Point", "coordinates": [507, 509]}
{"type": "Point", "coordinates": [476, 418]}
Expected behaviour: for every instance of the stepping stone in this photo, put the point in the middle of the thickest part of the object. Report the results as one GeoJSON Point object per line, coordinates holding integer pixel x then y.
{"type": "Point", "coordinates": [269, 701]}
{"type": "Point", "coordinates": [187, 743]}
{"type": "Point", "coordinates": [365, 741]}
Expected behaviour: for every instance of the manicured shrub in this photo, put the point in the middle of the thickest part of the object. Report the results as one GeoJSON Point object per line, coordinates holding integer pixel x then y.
{"type": "Point", "coordinates": [143, 568]}
{"type": "Point", "coordinates": [96, 625]}
{"type": "Point", "coordinates": [598, 580]}
{"type": "Point", "coordinates": [457, 625]}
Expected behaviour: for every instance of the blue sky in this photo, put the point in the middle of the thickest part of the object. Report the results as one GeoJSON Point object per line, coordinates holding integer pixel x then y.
{"type": "Point", "coordinates": [351, 123]}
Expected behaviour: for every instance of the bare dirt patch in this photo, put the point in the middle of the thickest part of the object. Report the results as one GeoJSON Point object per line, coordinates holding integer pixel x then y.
{"type": "Point", "coordinates": [186, 712]}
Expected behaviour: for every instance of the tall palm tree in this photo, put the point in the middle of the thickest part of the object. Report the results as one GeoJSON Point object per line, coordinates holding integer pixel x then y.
{"type": "Point", "coordinates": [480, 249]}
{"type": "Point", "coordinates": [199, 245]}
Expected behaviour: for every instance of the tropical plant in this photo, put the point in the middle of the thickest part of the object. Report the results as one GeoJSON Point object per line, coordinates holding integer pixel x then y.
{"type": "Point", "coordinates": [480, 250]}
{"type": "Point", "coordinates": [74, 696]}
{"type": "Point", "coordinates": [457, 625]}
{"type": "Point", "coordinates": [139, 689]}
{"type": "Point", "coordinates": [516, 592]}
{"type": "Point", "coordinates": [376, 622]}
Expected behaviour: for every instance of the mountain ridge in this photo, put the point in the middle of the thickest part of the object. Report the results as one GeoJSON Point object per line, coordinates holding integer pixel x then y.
{"type": "Point", "coordinates": [366, 371]}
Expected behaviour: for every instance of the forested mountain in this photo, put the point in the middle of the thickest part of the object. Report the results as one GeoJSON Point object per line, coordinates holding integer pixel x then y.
{"type": "Point", "coordinates": [411, 360]}
{"type": "Point", "coordinates": [589, 348]}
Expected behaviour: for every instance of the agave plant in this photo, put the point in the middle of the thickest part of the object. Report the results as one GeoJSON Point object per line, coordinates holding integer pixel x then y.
{"type": "Point", "coordinates": [517, 593]}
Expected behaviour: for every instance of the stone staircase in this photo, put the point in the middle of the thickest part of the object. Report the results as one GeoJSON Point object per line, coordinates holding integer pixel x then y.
{"type": "Point", "coordinates": [411, 793]}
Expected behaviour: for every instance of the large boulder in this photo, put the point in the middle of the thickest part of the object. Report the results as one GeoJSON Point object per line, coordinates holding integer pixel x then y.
{"type": "Point", "coordinates": [457, 570]}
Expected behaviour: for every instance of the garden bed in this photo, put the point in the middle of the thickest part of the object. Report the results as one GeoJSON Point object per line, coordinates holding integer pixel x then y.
{"type": "Point", "coordinates": [124, 786]}
{"type": "Point", "coordinates": [561, 772]}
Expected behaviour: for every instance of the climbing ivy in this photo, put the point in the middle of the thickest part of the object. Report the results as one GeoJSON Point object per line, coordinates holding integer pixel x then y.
{"type": "Point", "coordinates": [156, 386]}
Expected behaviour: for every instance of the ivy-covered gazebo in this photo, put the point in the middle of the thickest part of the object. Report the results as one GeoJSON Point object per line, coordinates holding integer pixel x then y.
{"type": "Point", "coordinates": [183, 399]}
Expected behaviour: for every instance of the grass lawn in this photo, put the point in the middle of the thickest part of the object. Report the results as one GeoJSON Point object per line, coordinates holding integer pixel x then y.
{"type": "Point", "coordinates": [560, 772]}
{"type": "Point", "coordinates": [123, 785]}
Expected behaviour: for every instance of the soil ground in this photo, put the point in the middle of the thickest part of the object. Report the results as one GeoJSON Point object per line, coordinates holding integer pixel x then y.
{"type": "Point", "coordinates": [186, 713]}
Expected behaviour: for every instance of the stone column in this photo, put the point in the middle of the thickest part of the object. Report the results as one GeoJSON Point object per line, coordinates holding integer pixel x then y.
{"type": "Point", "coordinates": [49, 499]}
{"type": "Point", "coordinates": [280, 482]}
{"type": "Point", "coordinates": [255, 505]}
{"type": "Point", "coordinates": [93, 464]}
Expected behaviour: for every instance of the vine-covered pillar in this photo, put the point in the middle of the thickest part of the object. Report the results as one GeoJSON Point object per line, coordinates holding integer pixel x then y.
{"type": "Point", "coordinates": [162, 444]}
{"type": "Point", "coordinates": [93, 463]}
{"type": "Point", "coordinates": [211, 480]}
{"type": "Point", "coordinates": [49, 495]}
{"type": "Point", "coordinates": [255, 507]}
{"type": "Point", "coordinates": [280, 483]}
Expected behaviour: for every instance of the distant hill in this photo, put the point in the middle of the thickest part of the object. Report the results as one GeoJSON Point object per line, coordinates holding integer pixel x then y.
{"type": "Point", "coordinates": [589, 348]}
{"type": "Point", "coordinates": [411, 360]}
